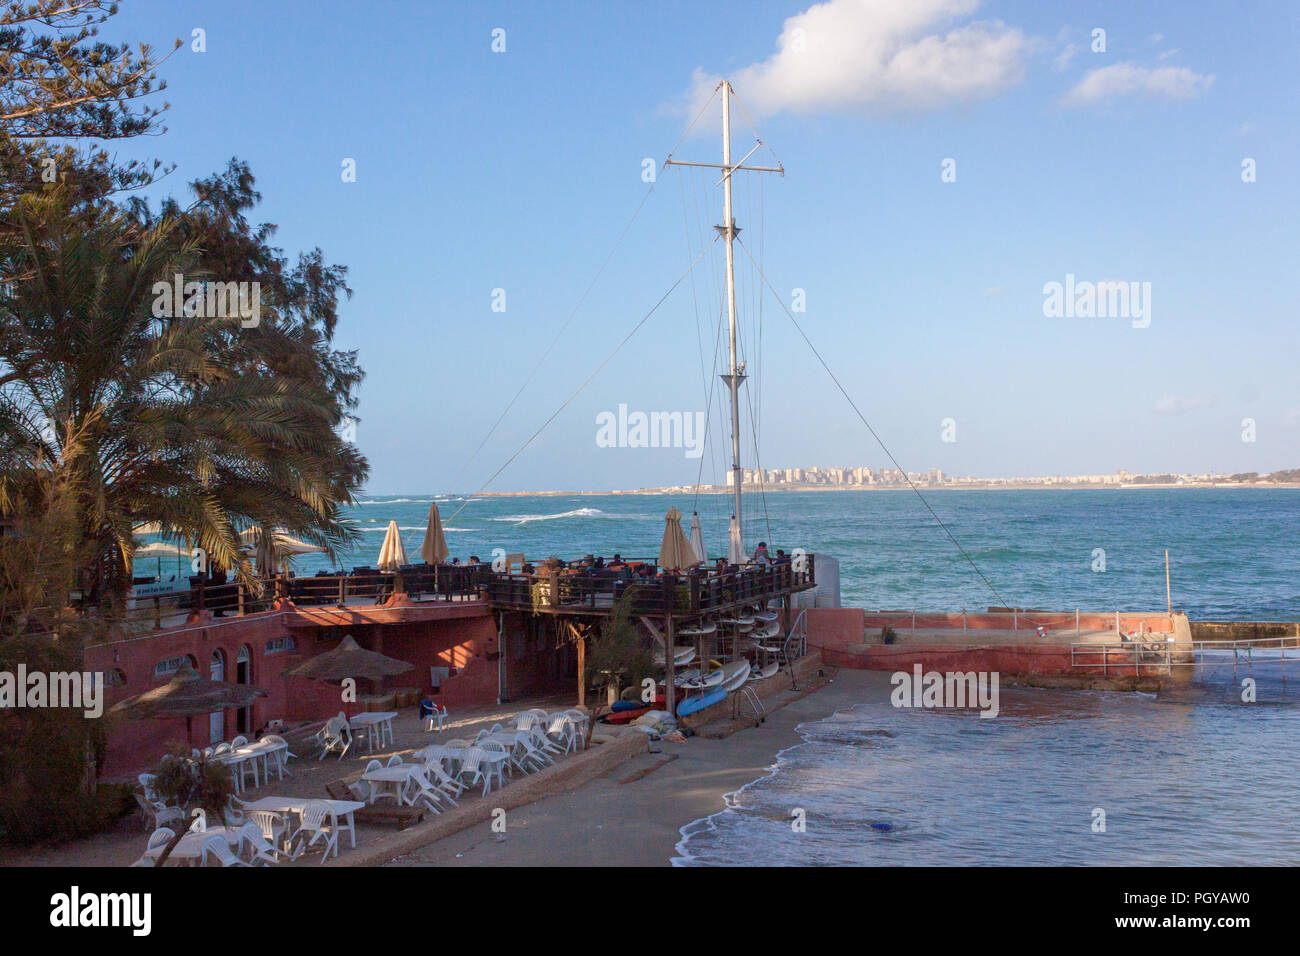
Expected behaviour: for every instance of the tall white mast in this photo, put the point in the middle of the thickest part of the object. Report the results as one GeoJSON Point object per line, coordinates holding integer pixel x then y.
{"type": "Point", "coordinates": [735, 374]}
{"type": "Point", "coordinates": [736, 371]}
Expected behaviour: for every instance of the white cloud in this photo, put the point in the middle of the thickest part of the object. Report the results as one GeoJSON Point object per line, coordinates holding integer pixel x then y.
{"type": "Point", "coordinates": [1122, 79]}
{"type": "Point", "coordinates": [1061, 61]}
{"type": "Point", "coordinates": [1166, 54]}
{"type": "Point", "coordinates": [882, 56]}
{"type": "Point", "coordinates": [1178, 404]}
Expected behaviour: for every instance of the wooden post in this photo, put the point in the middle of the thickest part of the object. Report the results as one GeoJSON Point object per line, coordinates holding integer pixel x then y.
{"type": "Point", "coordinates": [1169, 593]}
{"type": "Point", "coordinates": [582, 665]}
{"type": "Point", "coordinates": [670, 676]}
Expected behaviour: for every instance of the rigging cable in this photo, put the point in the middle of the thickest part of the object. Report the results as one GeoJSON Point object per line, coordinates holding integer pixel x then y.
{"type": "Point", "coordinates": [843, 391]}
{"type": "Point", "coordinates": [565, 404]}
{"type": "Point", "coordinates": [568, 321]}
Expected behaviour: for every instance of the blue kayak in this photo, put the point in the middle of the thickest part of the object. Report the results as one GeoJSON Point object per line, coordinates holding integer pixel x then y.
{"type": "Point", "coordinates": [691, 704]}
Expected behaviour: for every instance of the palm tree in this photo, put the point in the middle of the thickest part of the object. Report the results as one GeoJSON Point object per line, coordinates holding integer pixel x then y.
{"type": "Point", "coordinates": [192, 421]}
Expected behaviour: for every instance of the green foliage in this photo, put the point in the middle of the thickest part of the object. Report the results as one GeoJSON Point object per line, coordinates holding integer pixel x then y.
{"type": "Point", "coordinates": [616, 653]}
{"type": "Point", "coordinates": [186, 782]}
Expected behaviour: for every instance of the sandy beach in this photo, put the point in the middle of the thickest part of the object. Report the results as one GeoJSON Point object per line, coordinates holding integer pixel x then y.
{"type": "Point", "coordinates": [623, 818]}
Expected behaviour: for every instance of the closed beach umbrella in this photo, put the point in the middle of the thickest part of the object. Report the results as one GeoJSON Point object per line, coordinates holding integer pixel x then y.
{"type": "Point", "coordinates": [676, 553]}
{"type": "Point", "coordinates": [187, 695]}
{"type": "Point", "coordinates": [392, 553]}
{"type": "Point", "coordinates": [697, 539]}
{"type": "Point", "coordinates": [264, 553]}
{"type": "Point", "coordinates": [434, 549]}
{"type": "Point", "coordinates": [735, 551]}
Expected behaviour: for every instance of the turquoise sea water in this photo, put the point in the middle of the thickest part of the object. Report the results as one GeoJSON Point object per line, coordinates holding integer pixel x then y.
{"type": "Point", "coordinates": [1234, 552]}
{"type": "Point", "coordinates": [1191, 779]}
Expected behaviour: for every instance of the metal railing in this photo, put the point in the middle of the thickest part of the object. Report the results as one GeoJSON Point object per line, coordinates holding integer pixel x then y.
{"type": "Point", "coordinates": [699, 592]}
{"type": "Point", "coordinates": [1136, 654]}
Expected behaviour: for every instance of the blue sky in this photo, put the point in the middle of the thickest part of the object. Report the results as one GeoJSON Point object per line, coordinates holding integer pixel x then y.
{"type": "Point", "coordinates": [518, 170]}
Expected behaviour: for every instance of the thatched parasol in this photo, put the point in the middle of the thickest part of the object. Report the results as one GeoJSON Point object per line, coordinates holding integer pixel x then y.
{"type": "Point", "coordinates": [348, 660]}
{"type": "Point", "coordinates": [187, 695]}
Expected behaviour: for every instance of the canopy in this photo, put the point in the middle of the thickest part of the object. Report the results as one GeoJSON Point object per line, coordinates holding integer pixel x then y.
{"type": "Point", "coordinates": [434, 549]}
{"type": "Point", "coordinates": [349, 660]}
{"type": "Point", "coordinates": [161, 549]}
{"type": "Point", "coordinates": [186, 695]}
{"type": "Point", "coordinates": [278, 547]}
{"type": "Point", "coordinates": [676, 553]}
{"type": "Point", "coordinates": [392, 554]}
{"type": "Point", "coordinates": [697, 539]}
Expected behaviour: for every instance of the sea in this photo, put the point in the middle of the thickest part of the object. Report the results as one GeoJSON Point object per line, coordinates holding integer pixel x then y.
{"type": "Point", "coordinates": [1193, 777]}
{"type": "Point", "coordinates": [1232, 551]}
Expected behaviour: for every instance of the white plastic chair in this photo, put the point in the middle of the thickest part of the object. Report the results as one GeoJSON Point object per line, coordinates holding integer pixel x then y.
{"type": "Point", "coordinates": [261, 850]}
{"type": "Point", "coordinates": [273, 826]}
{"type": "Point", "coordinates": [561, 731]}
{"type": "Point", "coordinates": [419, 788]}
{"type": "Point", "coordinates": [394, 760]}
{"type": "Point", "coordinates": [316, 820]}
{"type": "Point", "coordinates": [474, 769]}
{"type": "Point", "coordinates": [217, 846]}
{"type": "Point", "coordinates": [146, 785]}
{"type": "Point", "coordinates": [334, 737]}
{"type": "Point", "coordinates": [238, 742]}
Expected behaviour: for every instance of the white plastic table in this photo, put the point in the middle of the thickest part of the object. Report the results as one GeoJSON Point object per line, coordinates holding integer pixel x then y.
{"type": "Point", "coordinates": [254, 752]}
{"type": "Point", "coordinates": [378, 723]}
{"type": "Point", "coordinates": [338, 808]}
{"type": "Point", "coordinates": [190, 847]}
{"type": "Point", "coordinates": [400, 773]}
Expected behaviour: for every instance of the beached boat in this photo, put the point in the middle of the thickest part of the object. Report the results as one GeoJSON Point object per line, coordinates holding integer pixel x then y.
{"type": "Point", "coordinates": [692, 704]}
{"type": "Point", "coordinates": [764, 672]}
{"type": "Point", "coordinates": [692, 680]}
{"type": "Point", "coordinates": [734, 675]}
{"type": "Point", "coordinates": [682, 654]}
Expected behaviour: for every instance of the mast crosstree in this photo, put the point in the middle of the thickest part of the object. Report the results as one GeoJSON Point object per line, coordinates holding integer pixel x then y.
{"type": "Point", "coordinates": [728, 230]}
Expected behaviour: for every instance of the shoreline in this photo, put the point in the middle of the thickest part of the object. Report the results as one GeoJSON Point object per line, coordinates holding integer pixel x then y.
{"type": "Point", "coordinates": [633, 814]}
{"type": "Point", "coordinates": [1009, 486]}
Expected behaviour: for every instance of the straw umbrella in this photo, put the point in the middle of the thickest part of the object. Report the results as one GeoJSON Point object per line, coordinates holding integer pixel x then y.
{"type": "Point", "coordinates": [349, 660]}
{"type": "Point", "coordinates": [697, 539]}
{"type": "Point", "coordinates": [676, 553]}
{"type": "Point", "coordinates": [187, 695]}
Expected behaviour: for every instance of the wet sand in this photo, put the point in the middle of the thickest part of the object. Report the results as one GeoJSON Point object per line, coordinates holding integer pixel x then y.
{"type": "Point", "coordinates": [609, 822]}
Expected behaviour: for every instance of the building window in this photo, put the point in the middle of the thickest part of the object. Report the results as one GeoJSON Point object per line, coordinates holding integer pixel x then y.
{"type": "Point", "coordinates": [278, 644]}
{"type": "Point", "coordinates": [168, 667]}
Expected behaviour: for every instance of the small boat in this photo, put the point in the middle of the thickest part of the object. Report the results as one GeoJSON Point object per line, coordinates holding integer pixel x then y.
{"type": "Point", "coordinates": [764, 672]}
{"type": "Point", "coordinates": [771, 629]}
{"type": "Point", "coordinates": [691, 704]}
{"type": "Point", "coordinates": [702, 630]}
{"type": "Point", "coordinates": [682, 654]}
{"type": "Point", "coordinates": [734, 675]}
{"type": "Point", "coordinates": [744, 620]}
{"type": "Point", "coordinates": [767, 617]}
{"type": "Point", "coordinates": [692, 680]}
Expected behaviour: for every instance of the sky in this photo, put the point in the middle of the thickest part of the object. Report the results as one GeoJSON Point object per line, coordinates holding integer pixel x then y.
{"type": "Point", "coordinates": [944, 161]}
